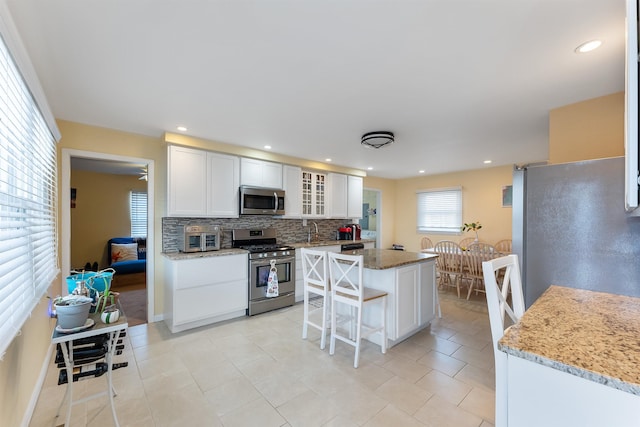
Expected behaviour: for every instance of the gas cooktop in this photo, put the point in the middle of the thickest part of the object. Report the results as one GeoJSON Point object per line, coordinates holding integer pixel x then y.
{"type": "Point", "coordinates": [257, 240]}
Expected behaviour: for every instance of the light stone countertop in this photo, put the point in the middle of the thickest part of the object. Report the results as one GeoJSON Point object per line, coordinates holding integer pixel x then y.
{"type": "Point", "coordinates": [381, 259]}
{"type": "Point", "coordinates": [329, 243]}
{"type": "Point", "coordinates": [593, 335]}
{"type": "Point", "coordinates": [174, 256]}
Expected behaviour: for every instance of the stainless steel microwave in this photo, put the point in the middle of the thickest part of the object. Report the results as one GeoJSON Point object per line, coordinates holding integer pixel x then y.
{"type": "Point", "coordinates": [261, 201]}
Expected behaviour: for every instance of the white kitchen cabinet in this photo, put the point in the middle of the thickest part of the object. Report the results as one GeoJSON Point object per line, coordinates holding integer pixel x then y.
{"type": "Point", "coordinates": [354, 194]}
{"type": "Point", "coordinates": [187, 181]}
{"type": "Point", "coordinates": [259, 173]}
{"type": "Point", "coordinates": [407, 303]}
{"type": "Point", "coordinates": [292, 186]}
{"type": "Point", "coordinates": [337, 206]}
{"type": "Point", "coordinates": [314, 194]}
{"type": "Point", "coordinates": [223, 180]}
{"type": "Point", "coordinates": [409, 288]}
{"type": "Point", "coordinates": [200, 291]}
{"type": "Point", "coordinates": [427, 295]}
{"type": "Point", "coordinates": [202, 183]}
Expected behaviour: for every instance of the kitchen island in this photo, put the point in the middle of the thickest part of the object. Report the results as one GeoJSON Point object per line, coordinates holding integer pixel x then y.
{"type": "Point", "coordinates": [573, 359]}
{"type": "Point", "coordinates": [409, 280]}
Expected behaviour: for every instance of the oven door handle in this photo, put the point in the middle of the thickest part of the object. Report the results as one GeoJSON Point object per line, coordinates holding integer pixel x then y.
{"type": "Point", "coordinates": [275, 202]}
{"type": "Point", "coordinates": [267, 261]}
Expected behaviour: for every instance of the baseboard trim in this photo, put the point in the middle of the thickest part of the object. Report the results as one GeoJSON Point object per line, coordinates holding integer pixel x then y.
{"type": "Point", "coordinates": [26, 420]}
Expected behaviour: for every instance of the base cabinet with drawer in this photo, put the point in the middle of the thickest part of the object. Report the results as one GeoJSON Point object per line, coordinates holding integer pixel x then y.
{"type": "Point", "coordinates": [200, 291]}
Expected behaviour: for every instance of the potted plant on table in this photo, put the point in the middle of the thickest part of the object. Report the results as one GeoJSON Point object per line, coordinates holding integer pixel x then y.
{"type": "Point", "coordinates": [472, 226]}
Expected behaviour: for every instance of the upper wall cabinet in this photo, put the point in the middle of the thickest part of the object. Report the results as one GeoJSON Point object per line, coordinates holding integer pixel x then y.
{"type": "Point", "coordinates": [201, 183]}
{"type": "Point", "coordinates": [345, 196]}
{"type": "Point", "coordinates": [223, 180]}
{"type": "Point", "coordinates": [354, 192]}
{"type": "Point", "coordinates": [258, 173]}
{"type": "Point", "coordinates": [292, 186]}
{"type": "Point", "coordinates": [337, 206]}
{"type": "Point", "coordinates": [314, 193]}
{"type": "Point", "coordinates": [187, 186]}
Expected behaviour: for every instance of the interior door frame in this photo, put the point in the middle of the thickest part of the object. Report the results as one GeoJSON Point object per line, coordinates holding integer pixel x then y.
{"type": "Point", "coordinates": [378, 216]}
{"type": "Point", "coordinates": [65, 211]}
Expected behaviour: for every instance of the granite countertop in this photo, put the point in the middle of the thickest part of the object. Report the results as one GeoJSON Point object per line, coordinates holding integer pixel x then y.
{"type": "Point", "coordinates": [593, 335]}
{"type": "Point", "coordinates": [191, 255]}
{"type": "Point", "coordinates": [328, 243]}
{"type": "Point", "coordinates": [381, 259]}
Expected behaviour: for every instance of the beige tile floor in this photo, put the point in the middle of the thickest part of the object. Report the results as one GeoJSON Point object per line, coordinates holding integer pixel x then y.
{"type": "Point", "coordinates": [259, 372]}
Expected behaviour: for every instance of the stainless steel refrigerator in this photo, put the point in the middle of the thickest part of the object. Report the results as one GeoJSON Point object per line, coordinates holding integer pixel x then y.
{"type": "Point", "coordinates": [570, 228]}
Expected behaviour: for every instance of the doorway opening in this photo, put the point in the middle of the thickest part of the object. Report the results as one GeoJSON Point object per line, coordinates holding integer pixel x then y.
{"type": "Point", "coordinates": [107, 213]}
{"type": "Point", "coordinates": [371, 215]}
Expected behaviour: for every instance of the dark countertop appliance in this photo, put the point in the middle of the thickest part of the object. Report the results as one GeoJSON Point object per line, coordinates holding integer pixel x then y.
{"type": "Point", "coordinates": [263, 248]}
{"type": "Point", "coordinates": [350, 232]}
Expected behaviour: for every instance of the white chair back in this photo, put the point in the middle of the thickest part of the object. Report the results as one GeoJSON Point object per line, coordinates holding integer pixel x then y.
{"type": "Point", "coordinates": [501, 277]}
{"type": "Point", "coordinates": [345, 283]}
{"type": "Point", "coordinates": [347, 288]}
{"type": "Point", "coordinates": [316, 282]}
{"type": "Point", "coordinates": [314, 267]}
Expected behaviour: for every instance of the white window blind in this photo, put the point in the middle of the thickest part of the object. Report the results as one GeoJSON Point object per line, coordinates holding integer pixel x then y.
{"type": "Point", "coordinates": [28, 201]}
{"type": "Point", "coordinates": [440, 211]}
{"type": "Point", "coordinates": [138, 209]}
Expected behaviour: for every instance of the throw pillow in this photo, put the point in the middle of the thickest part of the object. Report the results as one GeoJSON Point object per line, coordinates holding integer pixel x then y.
{"type": "Point", "coordinates": [124, 252]}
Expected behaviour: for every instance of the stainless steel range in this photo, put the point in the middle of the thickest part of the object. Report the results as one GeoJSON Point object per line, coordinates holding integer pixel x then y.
{"type": "Point", "coordinates": [263, 248]}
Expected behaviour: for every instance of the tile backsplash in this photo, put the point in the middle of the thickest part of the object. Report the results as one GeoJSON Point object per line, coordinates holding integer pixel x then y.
{"type": "Point", "coordinates": [287, 230]}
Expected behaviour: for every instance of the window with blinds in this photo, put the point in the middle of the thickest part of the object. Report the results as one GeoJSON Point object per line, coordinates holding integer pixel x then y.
{"type": "Point", "coordinates": [440, 211]}
{"type": "Point", "coordinates": [28, 201]}
{"type": "Point", "coordinates": [138, 210]}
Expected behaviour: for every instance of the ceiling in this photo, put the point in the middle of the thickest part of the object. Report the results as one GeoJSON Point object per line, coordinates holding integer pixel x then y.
{"type": "Point", "coordinates": [457, 81]}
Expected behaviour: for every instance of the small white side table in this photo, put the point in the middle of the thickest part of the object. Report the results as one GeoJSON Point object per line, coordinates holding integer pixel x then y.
{"type": "Point", "coordinates": [66, 343]}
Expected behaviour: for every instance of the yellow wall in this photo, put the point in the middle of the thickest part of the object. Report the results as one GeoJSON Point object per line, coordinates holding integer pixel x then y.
{"type": "Point", "coordinates": [101, 212]}
{"type": "Point", "coordinates": [481, 201]}
{"type": "Point", "coordinates": [100, 140]}
{"type": "Point", "coordinates": [591, 129]}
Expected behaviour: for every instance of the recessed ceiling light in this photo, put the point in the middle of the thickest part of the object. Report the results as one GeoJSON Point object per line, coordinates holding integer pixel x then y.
{"type": "Point", "coordinates": [267, 147]}
{"type": "Point", "coordinates": [327, 160]}
{"type": "Point", "coordinates": [181, 128]}
{"type": "Point", "coordinates": [420, 171]}
{"type": "Point", "coordinates": [486, 162]}
{"type": "Point", "coordinates": [370, 168]}
{"type": "Point", "coordinates": [588, 46]}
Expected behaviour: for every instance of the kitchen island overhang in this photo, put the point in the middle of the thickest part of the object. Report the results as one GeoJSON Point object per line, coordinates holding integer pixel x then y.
{"type": "Point", "coordinates": [409, 279]}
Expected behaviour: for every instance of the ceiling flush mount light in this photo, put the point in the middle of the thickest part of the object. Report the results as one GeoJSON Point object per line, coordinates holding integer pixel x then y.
{"type": "Point", "coordinates": [267, 147]}
{"type": "Point", "coordinates": [327, 160]}
{"type": "Point", "coordinates": [181, 128]}
{"type": "Point", "coordinates": [588, 46]}
{"type": "Point", "coordinates": [486, 162]}
{"type": "Point", "coordinates": [370, 168]}
{"type": "Point", "coordinates": [377, 139]}
{"type": "Point", "coordinates": [421, 171]}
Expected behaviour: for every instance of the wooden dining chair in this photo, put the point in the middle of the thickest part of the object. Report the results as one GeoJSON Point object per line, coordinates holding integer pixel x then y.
{"type": "Point", "coordinates": [464, 243]}
{"type": "Point", "coordinates": [449, 264]}
{"type": "Point", "coordinates": [476, 254]}
{"type": "Point", "coordinates": [504, 246]}
{"type": "Point", "coordinates": [498, 291]}
{"type": "Point", "coordinates": [426, 243]}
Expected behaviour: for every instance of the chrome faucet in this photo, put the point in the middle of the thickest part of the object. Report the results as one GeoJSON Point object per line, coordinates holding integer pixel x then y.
{"type": "Point", "coordinates": [316, 236]}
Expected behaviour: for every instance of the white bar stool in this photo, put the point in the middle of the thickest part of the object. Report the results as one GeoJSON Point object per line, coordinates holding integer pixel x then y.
{"type": "Point", "coordinates": [347, 288]}
{"type": "Point", "coordinates": [507, 270]}
{"type": "Point", "coordinates": [314, 270]}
